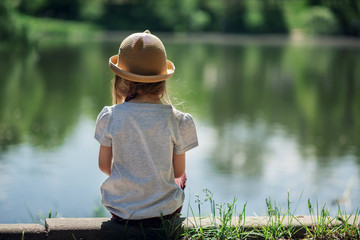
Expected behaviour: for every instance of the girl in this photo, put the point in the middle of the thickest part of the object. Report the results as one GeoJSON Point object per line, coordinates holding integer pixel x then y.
{"type": "Point", "coordinates": [143, 141]}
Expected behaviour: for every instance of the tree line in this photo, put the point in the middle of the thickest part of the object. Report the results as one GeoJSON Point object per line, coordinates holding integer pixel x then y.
{"type": "Point", "coordinates": [340, 17]}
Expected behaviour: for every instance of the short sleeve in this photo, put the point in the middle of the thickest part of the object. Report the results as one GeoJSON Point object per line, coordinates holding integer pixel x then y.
{"type": "Point", "coordinates": [187, 137]}
{"type": "Point", "coordinates": [101, 131]}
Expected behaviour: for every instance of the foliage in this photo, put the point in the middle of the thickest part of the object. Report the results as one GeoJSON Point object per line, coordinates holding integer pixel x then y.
{"type": "Point", "coordinates": [228, 16]}
{"type": "Point", "coordinates": [320, 20]}
{"type": "Point", "coordinates": [10, 29]}
{"type": "Point", "coordinates": [346, 12]}
{"type": "Point", "coordinates": [38, 28]}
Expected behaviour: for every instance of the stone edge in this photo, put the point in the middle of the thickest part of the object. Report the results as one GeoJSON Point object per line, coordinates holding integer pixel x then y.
{"type": "Point", "coordinates": [104, 228]}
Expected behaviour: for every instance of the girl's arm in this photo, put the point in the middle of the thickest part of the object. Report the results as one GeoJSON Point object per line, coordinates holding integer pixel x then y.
{"type": "Point", "coordinates": [105, 159]}
{"type": "Point", "coordinates": [179, 164]}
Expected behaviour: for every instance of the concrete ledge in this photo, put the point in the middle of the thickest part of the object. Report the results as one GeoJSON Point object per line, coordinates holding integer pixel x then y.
{"type": "Point", "coordinates": [257, 222]}
{"type": "Point", "coordinates": [75, 228]}
{"type": "Point", "coordinates": [19, 231]}
{"type": "Point", "coordinates": [99, 228]}
{"type": "Point", "coordinates": [105, 228]}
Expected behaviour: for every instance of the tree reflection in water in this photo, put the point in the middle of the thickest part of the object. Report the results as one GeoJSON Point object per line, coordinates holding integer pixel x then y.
{"type": "Point", "coordinates": [310, 92]}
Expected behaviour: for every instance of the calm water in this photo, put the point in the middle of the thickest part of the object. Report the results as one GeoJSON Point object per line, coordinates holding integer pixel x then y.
{"type": "Point", "coordinates": [271, 119]}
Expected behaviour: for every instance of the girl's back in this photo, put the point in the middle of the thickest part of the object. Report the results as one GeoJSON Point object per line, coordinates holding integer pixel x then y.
{"type": "Point", "coordinates": [143, 140]}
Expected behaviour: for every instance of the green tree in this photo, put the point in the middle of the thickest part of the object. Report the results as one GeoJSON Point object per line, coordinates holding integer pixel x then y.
{"type": "Point", "coordinates": [10, 29]}
{"type": "Point", "coordinates": [274, 19]}
{"type": "Point", "coordinates": [30, 7]}
{"type": "Point", "coordinates": [347, 13]}
{"type": "Point", "coordinates": [234, 16]}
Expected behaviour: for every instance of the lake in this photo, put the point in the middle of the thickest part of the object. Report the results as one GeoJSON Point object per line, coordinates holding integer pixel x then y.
{"type": "Point", "coordinates": [275, 118]}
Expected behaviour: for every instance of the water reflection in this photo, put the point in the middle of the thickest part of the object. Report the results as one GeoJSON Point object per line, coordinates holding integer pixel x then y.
{"type": "Point", "coordinates": [264, 112]}
{"type": "Point", "coordinates": [44, 91]}
{"type": "Point", "coordinates": [310, 92]}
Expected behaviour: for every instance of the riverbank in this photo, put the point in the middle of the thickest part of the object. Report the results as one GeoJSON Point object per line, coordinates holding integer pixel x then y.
{"type": "Point", "coordinates": [42, 29]}
{"type": "Point", "coordinates": [300, 227]}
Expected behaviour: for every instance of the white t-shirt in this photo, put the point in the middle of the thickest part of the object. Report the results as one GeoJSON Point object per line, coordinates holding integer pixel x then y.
{"type": "Point", "coordinates": [143, 138]}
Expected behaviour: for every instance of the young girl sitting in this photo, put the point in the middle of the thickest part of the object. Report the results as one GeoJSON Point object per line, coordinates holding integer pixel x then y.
{"type": "Point", "coordinates": [143, 141]}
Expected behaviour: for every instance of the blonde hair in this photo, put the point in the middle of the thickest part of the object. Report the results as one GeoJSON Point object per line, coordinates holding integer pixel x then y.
{"type": "Point", "coordinates": [123, 89]}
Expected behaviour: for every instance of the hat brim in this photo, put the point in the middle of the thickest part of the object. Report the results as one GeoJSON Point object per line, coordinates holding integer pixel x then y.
{"type": "Point", "coordinates": [140, 78]}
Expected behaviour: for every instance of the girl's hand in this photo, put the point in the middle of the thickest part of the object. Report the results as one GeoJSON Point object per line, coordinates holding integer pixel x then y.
{"type": "Point", "coordinates": [105, 159]}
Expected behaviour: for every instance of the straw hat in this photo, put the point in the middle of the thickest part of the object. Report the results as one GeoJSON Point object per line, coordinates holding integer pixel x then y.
{"type": "Point", "coordinates": [142, 58]}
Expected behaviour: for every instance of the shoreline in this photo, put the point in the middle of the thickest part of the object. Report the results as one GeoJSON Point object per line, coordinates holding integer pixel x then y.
{"type": "Point", "coordinates": [105, 228]}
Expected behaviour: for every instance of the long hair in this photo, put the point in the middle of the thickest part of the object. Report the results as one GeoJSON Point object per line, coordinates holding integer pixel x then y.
{"type": "Point", "coordinates": [124, 89]}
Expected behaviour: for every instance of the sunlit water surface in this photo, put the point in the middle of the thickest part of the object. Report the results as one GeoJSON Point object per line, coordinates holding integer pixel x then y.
{"type": "Point", "coordinates": [273, 120]}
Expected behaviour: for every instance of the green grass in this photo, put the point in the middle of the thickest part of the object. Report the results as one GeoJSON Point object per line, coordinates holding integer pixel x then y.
{"type": "Point", "coordinates": [40, 28]}
{"type": "Point", "coordinates": [40, 217]}
{"type": "Point", "coordinates": [324, 227]}
{"type": "Point", "coordinates": [278, 224]}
